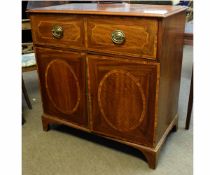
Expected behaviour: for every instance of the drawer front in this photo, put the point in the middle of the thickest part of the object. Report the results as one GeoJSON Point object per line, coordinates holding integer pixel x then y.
{"type": "Point", "coordinates": [140, 36]}
{"type": "Point", "coordinates": [58, 30]}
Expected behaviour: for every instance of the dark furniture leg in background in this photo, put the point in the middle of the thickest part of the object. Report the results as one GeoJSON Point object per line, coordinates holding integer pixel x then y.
{"type": "Point", "coordinates": [23, 119]}
{"type": "Point", "coordinates": [26, 95]}
{"type": "Point", "coordinates": [190, 104]}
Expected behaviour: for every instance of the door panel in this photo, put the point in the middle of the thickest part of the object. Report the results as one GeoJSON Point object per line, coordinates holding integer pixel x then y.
{"type": "Point", "coordinates": [123, 95]}
{"type": "Point", "coordinates": [62, 78]}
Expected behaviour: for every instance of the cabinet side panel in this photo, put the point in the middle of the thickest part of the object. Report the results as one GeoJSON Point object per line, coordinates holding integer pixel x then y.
{"type": "Point", "coordinates": [171, 32]}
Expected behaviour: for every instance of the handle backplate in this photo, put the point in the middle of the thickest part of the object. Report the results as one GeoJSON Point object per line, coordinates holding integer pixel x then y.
{"type": "Point", "coordinates": [57, 32]}
{"type": "Point", "coordinates": [118, 37]}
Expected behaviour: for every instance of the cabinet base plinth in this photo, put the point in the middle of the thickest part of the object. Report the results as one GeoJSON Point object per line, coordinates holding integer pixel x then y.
{"type": "Point", "coordinates": [151, 154]}
{"type": "Point", "coordinates": [176, 125]}
{"type": "Point", "coordinates": [45, 124]}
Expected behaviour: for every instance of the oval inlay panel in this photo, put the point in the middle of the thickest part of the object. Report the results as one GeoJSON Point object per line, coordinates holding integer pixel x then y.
{"type": "Point", "coordinates": [62, 86]}
{"type": "Point", "coordinates": [121, 100]}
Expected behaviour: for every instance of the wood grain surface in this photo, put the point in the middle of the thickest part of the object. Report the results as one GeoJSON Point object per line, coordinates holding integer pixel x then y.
{"type": "Point", "coordinates": [128, 92]}
{"type": "Point", "coordinates": [62, 80]}
{"type": "Point", "coordinates": [123, 98]}
{"type": "Point", "coordinates": [122, 9]}
{"type": "Point", "coordinates": [140, 36]}
{"type": "Point", "coordinates": [73, 30]}
{"type": "Point", "coordinates": [171, 39]}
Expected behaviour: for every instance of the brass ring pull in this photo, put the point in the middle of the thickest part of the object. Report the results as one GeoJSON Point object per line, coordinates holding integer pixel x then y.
{"type": "Point", "coordinates": [57, 32]}
{"type": "Point", "coordinates": [118, 37]}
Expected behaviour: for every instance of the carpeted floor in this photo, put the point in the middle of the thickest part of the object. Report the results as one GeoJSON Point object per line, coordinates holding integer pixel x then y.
{"type": "Point", "coordinates": [66, 151]}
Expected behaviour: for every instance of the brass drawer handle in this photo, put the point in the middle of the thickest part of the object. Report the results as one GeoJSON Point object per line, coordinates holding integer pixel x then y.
{"type": "Point", "coordinates": [57, 32]}
{"type": "Point", "coordinates": [118, 37]}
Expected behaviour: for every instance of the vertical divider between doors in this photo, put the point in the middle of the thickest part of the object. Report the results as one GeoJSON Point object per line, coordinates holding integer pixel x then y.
{"type": "Point", "coordinates": [88, 95]}
{"type": "Point", "coordinates": [87, 82]}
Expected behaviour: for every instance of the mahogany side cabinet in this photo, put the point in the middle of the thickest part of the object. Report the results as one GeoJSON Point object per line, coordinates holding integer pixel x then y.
{"type": "Point", "coordinates": [111, 69]}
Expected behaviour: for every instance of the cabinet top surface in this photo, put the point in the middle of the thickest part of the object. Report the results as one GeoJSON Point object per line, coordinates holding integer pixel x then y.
{"type": "Point", "coordinates": [122, 9]}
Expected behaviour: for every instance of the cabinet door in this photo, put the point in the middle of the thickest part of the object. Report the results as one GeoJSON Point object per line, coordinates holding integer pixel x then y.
{"type": "Point", "coordinates": [123, 98]}
{"type": "Point", "coordinates": [62, 79]}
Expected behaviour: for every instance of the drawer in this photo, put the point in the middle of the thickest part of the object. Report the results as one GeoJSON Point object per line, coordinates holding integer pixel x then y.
{"type": "Point", "coordinates": [58, 30]}
{"type": "Point", "coordinates": [139, 34]}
